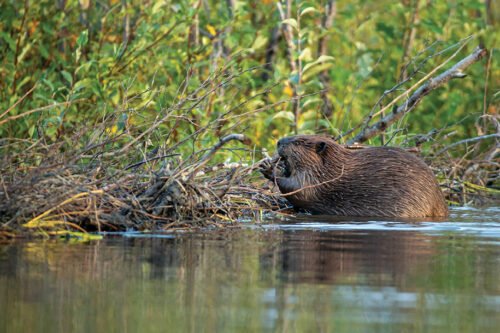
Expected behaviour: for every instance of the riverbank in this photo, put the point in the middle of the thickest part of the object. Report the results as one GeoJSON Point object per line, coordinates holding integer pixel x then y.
{"type": "Point", "coordinates": [60, 198]}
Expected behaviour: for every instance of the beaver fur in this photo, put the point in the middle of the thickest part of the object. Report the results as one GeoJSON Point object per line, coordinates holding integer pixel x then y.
{"type": "Point", "coordinates": [326, 178]}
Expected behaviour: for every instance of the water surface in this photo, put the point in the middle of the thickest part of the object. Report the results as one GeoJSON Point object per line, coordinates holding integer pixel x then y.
{"type": "Point", "coordinates": [310, 274]}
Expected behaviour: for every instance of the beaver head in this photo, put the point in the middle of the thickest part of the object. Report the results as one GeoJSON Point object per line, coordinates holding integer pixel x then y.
{"type": "Point", "coordinates": [307, 154]}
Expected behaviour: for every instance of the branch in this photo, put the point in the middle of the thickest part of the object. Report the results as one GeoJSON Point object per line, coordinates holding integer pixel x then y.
{"type": "Point", "coordinates": [18, 45]}
{"type": "Point", "coordinates": [478, 138]}
{"type": "Point", "coordinates": [240, 137]}
{"type": "Point", "coordinates": [288, 33]}
{"type": "Point", "coordinates": [410, 37]}
{"type": "Point", "coordinates": [19, 100]}
{"type": "Point", "coordinates": [399, 111]}
{"type": "Point", "coordinates": [330, 12]}
{"type": "Point", "coordinates": [66, 104]}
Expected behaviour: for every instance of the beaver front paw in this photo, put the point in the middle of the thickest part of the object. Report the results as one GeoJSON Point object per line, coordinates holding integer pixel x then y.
{"type": "Point", "coordinates": [274, 167]}
{"type": "Point", "coordinates": [267, 169]}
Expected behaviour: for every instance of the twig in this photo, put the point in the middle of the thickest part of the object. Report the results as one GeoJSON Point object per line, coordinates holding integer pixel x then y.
{"type": "Point", "coordinates": [316, 185]}
{"type": "Point", "coordinates": [191, 107]}
{"type": "Point", "coordinates": [416, 97]}
{"type": "Point", "coordinates": [394, 134]}
{"type": "Point", "coordinates": [401, 82]}
{"type": "Point", "coordinates": [240, 137]}
{"type": "Point", "coordinates": [478, 138]}
{"type": "Point", "coordinates": [287, 32]}
{"type": "Point", "coordinates": [411, 36]}
{"type": "Point", "coordinates": [485, 89]}
{"type": "Point", "coordinates": [348, 111]}
{"type": "Point", "coordinates": [151, 159]}
{"type": "Point", "coordinates": [19, 100]}
{"type": "Point", "coordinates": [452, 73]}
{"type": "Point", "coordinates": [18, 44]}
{"type": "Point", "coordinates": [40, 109]}
{"type": "Point", "coordinates": [327, 22]}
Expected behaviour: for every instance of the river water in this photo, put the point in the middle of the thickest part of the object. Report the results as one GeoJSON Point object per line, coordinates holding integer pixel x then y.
{"type": "Point", "coordinates": [304, 275]}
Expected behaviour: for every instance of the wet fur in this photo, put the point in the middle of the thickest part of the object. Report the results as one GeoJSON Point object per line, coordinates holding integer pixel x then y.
{"type": "Point", "coordinates": [375, 181]}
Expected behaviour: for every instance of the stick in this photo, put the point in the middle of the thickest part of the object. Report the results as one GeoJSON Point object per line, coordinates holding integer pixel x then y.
{"type": "Point", "coordinates": [478, 138]}
{"type": "Point", "coordinates": [416, 97]}
{"type": "Point", "coordinates": [316, 185]}
{"type": "Point", "coordinates": [19, 100]}
{"type": "Point", "coordinates": [240, 137]}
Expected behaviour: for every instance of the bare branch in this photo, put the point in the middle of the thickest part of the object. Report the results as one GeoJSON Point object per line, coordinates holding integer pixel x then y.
{"type": "Point", "coordinates": [478, 138]}
{"type": "Point", "coordinates": [288, 33]}
{"type": "Point", "coordinates": [330, 12]}
{"type": "Point", "coordinates": [398, 112]}
{"type": "Point", "coordinates": [410, 36]}
{"type": "Point", "coordinates": [240, 137]}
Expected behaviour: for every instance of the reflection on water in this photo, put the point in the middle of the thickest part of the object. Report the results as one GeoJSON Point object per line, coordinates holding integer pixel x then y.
{"type": "Point", "coordinates": [302, 275]}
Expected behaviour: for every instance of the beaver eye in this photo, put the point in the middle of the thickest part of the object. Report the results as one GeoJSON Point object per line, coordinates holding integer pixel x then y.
{"type": "Point", "coordinates": [296, 143]}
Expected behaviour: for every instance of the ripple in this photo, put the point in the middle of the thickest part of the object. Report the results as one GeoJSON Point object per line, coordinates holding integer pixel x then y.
{"type": "Point", "coordinates": [483, 222]}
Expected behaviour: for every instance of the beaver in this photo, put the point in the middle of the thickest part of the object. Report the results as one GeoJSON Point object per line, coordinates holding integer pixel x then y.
{"type": "Point", "coordinates": [323, 177]}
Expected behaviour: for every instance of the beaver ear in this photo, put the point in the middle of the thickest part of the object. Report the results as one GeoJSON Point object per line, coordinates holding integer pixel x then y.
{"type": "Point", "coordinates": [320, 147]}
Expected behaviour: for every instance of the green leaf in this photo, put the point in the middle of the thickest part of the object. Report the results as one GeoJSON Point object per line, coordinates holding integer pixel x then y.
{"type": "Point", "coordinates": [308, 10]}
{"type": "Point", "coordinates": [291, 22]}
{"type": "Point", "coordinates": [44, 52]}
{"type": "Point", "coordinates": [260, 42]}
{"type": "Point", "coordinates": [320, 60]}
{"type": "Point", "coordinates": [286, 115]}
{"type": "Point", "coordinates": [82, 39]}
{"type": "Point", "coordinates": [81, 84]}
{"type": "Point", "coordinates": [122, 122]}
{"type": "Point", "coordinates": [49, 84]}
{"type": "Point", "coordinates": [317, 69]}
{"type": "Point", "coordinates": [387, 29]}
{"type": "Point", "coordinates": [311, 101]}
{"type": "Point", "coordinates": [67, 76]}
{"type": "Point", "coordinates": [10, 41]}
{"type": "Point", "coordinates": [432, 27]}
{"type": "Point", "coordinates": [31, 131]}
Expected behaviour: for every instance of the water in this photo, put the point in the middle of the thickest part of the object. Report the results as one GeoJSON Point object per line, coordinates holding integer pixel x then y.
{"type": "Point", "coordinates": [306, 275]}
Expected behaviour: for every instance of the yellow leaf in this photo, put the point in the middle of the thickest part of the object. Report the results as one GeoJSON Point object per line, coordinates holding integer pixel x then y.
{"type": "Point", "coordinates": [211, 30]}
{"type": "Point", "coordinates": [112, 129]}
{"type": "Point", "coordinates": [306, 54]}
{"type": "Point", "coordinates": [84, 4]}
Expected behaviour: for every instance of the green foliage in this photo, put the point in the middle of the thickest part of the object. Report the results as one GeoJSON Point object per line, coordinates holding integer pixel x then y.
{"type": "Point", "coordinates": [127, 61]}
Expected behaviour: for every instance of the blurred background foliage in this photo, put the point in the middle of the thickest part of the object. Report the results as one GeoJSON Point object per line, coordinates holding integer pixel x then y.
{"type": "Point", "coordinates": [81, 62]}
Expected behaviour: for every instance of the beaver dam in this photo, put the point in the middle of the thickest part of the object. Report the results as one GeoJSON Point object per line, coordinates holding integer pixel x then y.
{"type": "Point", "coordinates": [153, 176]}
{"type": "Point", "coordinates": [166, 192]}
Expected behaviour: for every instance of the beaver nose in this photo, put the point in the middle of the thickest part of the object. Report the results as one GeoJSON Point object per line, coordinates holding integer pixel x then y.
{"type": "Point", "coordinates": [284, 141]}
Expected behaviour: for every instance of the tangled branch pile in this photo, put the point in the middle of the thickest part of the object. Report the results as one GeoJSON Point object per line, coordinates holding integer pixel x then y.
{"type": "Point", "coordinates": [87, 199]}
{"type": "Point", "coordinates": [137, 179]}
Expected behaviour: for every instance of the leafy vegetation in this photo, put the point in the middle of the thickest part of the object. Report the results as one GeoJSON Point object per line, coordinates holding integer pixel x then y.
{"type": "Point", "coordinates": [88, 61]}
{"type": "Point", "coordinates": [123, 82]}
